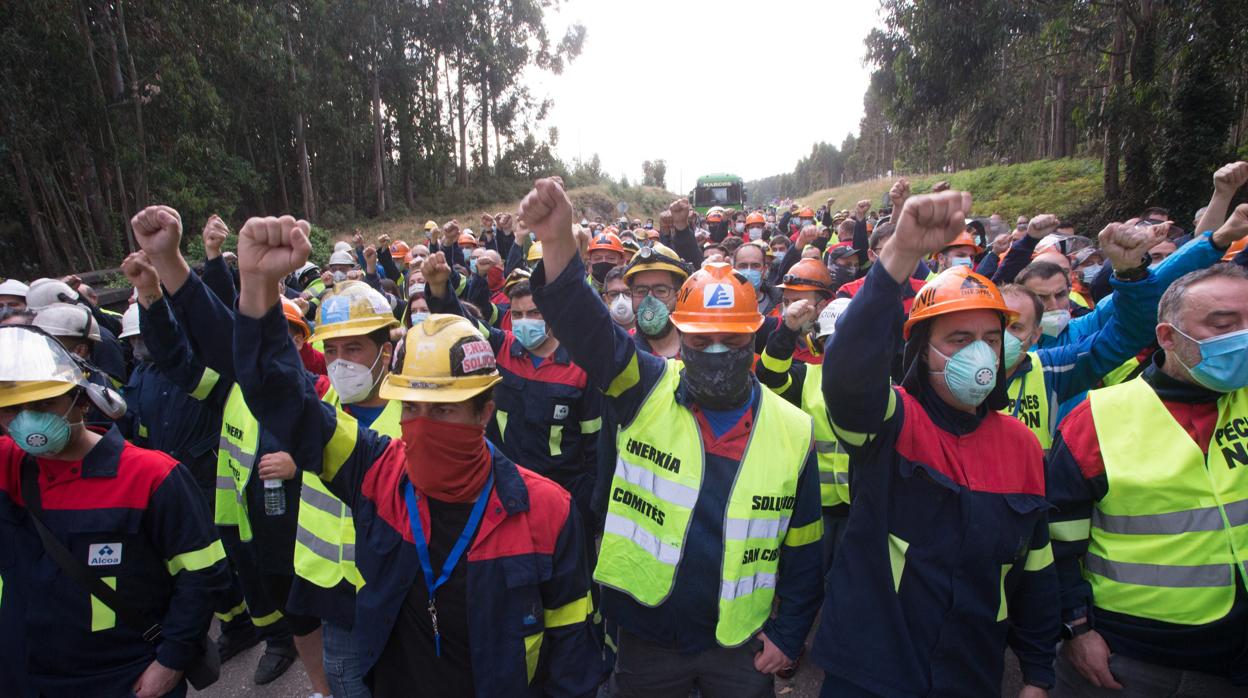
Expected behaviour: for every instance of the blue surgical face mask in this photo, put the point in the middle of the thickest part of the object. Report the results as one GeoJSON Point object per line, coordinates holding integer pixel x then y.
{"type": "Point", "coordinates": [530, 332]}
{"type": "Point", "coordinates": [1088, 274]}
{"type": "Point", "coordinates": [418, 317]}
{"type": "Point", "coordinates": [40, 433]}
{"type": "Point", "coordinates": [971, 373]}
{"type": "Point", "coordinates": [754, 275]}
{"type": "Point", "coordinates": [1223, 365]}
{"type": "Point", "coordinates": [1013, 350]}
{"type": "Point", "coordinates": [960, 262]}
{"type": "Point", "coordinates": [472, 265]}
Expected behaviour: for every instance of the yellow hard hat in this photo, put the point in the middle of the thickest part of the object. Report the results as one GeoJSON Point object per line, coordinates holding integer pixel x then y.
{"type": "Point", "coordinates": [34, 366]}
{"type": "Point", "coordinates": [535, 252]}
{"type": "Point", "coordinates": [445, 359]}
{"type": "Point", "coordinates": [657, 257]}
{"type": "Point", "coordinates": [430, 225]}
{"type": "Point", "coordinates": [351, 309]}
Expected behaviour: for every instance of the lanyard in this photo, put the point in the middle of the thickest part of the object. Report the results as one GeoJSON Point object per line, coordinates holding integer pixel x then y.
{"type": "Point", "coordinates": [1018, 399]}
{"type": "Point", "coordinates": [422, 548]}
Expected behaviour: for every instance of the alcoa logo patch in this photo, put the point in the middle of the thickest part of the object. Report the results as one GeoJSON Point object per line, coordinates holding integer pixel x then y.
{"type": "Point", "coordinates": [717, 296]}
{"type": "Point", "coordinates": [104, 554]}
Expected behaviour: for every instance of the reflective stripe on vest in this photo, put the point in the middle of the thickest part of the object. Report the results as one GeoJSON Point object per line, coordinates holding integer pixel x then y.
{"type": "Point", "coordinates": [236, 455]}
{"type": "Point", "coordinates": [1166, 538]}
{"type": "Point", "coordinates": [657, 482]}
{"type": "Point", "coordinates": [325, 537]}
{"type": "Point", "coordinates": [833, 460]}
{"type": "Point", "coordinates": [1128, 370]}
{"type": "Point", "coordinates": [1029, 403]}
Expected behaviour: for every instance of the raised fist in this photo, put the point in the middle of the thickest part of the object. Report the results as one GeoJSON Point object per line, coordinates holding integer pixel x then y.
{"type": "Point", "coordinates": [504, 221]}
{"type": "Point", "coordinates": [807, 236]}
{"type": "Point", "coordinates": [1235, 227]}
{"type": "Point", "coordinates": [942, 185]}
{"type": "Point", "coordinates": [899, 193]}
{"type": "Point", "coordinates": [862, 207]}
{"type": "Point", "coordinates": [357, 239]}
{"type": "Point", "coordinates": [214, 235]}
{"type": "Point", "coordinates": [142, 275]}
{"type": "Point", "coordinates": [1229, 178]}
{"type": "Point", "coordinates": [548, 211]}
{"type": "Point", "coordinates": [1042, 225]}
{"type": "Point", "coordinates": [799, 314]}
{"type": "Point", "coordinates": [486, 221]}
{"type": "Point", "coordinates": [327, 278]}
{"type": "Point", "coordinates": [928, 223]}
{"type": "Point", "coordinates": [158, 230]}
{"type": "Point", "coordinates": [436, 273]}
{"type": "Point", "coordinates": [271, 248]}
{"type": "Point", "coordinates": [680, 210]}
{"type": "Point", "coordinates": [1125, 245]}
{"type": "Point", "coordinates": [831, 200]}
{"type": "Point", "coordinates": [370, 258]}
{"type": "Point", "coordinates": [450, 232]}
{"type": "Point", "coordinates": [383, 240]}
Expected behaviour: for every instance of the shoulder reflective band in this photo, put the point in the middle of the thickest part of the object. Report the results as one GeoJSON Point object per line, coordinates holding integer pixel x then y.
{"type": "Point", "coordinates": [422, 548]}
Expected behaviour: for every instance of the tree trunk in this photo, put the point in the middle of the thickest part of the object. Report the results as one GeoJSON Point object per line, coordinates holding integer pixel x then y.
{"type": "Point", "coordinates": [378, 176]}
{"type": "Point", "coordinates": [301, 144]}
{"type": "Point", "coordinates": [102, 105]}
{"type": "Point", "coordinates": [88, 184]}
{"type": "Point", "coordinates": [463, 124]}
{"type": "Point", "coordinates": [1110, 112]}
{"type": "Point", "coordinates": [485, 119]}
{"type": "Point", "coordinates": [141, 197]}
{"type": "Point", "coordinates": [279, 171]}
{"type": "Point", "coordinates": [1142, 61]}
{"type": "Point", "coordinates": [43, 247]}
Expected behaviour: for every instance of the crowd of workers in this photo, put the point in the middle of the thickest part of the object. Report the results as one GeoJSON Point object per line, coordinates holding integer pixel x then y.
{"type": "Point", "coordinates": [562, 456]}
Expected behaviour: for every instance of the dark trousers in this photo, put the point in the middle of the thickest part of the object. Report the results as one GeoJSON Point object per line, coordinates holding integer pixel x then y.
{"type": "Point", "coordinates": [646, 670]}
{"type": "Point", "coordinates": [1143, 680]}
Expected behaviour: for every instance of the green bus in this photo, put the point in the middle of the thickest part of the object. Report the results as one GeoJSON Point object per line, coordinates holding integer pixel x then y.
{"type": "Point", "coordinates": [720, 189]}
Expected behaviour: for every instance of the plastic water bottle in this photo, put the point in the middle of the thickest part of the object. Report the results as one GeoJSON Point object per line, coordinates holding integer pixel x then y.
{"type": "Point", "coordinates": [274, 498]}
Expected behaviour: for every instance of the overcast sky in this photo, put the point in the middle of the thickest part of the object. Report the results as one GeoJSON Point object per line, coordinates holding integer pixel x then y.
{"type": "Point", "coordinates": [616, 99]}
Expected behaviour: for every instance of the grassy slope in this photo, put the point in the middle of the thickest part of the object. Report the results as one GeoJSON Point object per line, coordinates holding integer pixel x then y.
{"type": "Point", "coordinates": [1062, 187]}
{"type": "Point", "coordinates": [597, 200]}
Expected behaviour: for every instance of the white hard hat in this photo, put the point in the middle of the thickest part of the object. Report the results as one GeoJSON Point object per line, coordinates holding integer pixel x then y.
{"type": "Point", "coordinates": [130, 322]}
{"type": "Point", "coordinates": [13, 287]}
{"type": "Point", "coordinates": [341, 257]}
{"type": "Point", "coordinates": [67, 320]}
{"type": "Point", "coordinates": [33, 367]}
{"type": "Point", "coordinates": [342, 246]}
{"type": "Point", "coordinates": [45, 292]}
{"type": "Point", "coordinates": [828, 316]}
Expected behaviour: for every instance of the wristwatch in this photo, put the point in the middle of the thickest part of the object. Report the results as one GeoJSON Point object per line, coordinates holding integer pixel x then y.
{"type": "Point", "coordinates": [1070, 632]}
{"type": "Point", "coordinates": [1133, 274]}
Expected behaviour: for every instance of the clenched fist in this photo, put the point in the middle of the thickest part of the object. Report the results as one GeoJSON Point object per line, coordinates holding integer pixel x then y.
{"type": "Point", "coordinates": [1126, 245]}
{"type": "Point", "coordinates": [928, 223]}
{"type": "Point", "coordinates": [436, 273]}
{"type": "Point", "coordinates": [158, 230]}
{"type": "Point", "coordinates": [899, 193]}
{"type": "Point", "coordinates": [548, 211]}
{"type": "Point", "coordinates": [1042, 225]}
{"type": "Point", "coordinates": [214, 235]}
{"type": "Point", "coordinates": [142, 275]}
{"type": "Point", "coordinates": [1235, 228]}
{"type": "Point", "coordinates": [1229, 178]}
{"type": "Point", "coordinates": [271, 248]}
{"type": "Point", "coordinates": [680, 210]}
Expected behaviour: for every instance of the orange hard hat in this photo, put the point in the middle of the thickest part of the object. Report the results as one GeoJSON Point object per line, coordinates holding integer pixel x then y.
{"type": "Point", "coordinates": [399, 249]}
{"type": "Point", "coordinates": [714, 216]}
{"type": "Point", "coordinates": [610, 229]}
{"type": "Point", "coordinates": [295, 317]}
{"type": "Point", "coordinates": [1235, 248]}
{"type": "Point", "coordinates": [954, 290]}
{"type": "Point", "coordinates": [755, 218]}
{"type": "Point", "coordinates": [609, 242]}
{"type": "Point", "coordinates": [717, 299]}
{"type": "Point", "coordinates": [653, 234]}
{"type": "Point", "coordinates": [805, 212]}
{"type": "Point", "coordinates": [808, 275]}
{"type": "Point", "coordinates": [467, 240]}
{"type": "Point", "coordinates": [963, 239]}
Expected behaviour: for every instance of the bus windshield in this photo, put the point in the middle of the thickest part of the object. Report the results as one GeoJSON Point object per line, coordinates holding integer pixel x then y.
{"type": "Point", "coordinates": [726, 195]}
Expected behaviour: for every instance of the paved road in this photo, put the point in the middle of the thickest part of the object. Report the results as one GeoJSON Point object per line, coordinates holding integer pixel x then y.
{"type": "Point", "coordinates": [236, 681]}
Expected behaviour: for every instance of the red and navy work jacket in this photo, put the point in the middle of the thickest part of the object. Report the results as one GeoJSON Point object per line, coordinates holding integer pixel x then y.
{"type": "Point", "coordinates": [528, 578]}
{"type": "Point", "coordinates": [136, 519]}
{"type": "Point", "coordinates": [946, 558]}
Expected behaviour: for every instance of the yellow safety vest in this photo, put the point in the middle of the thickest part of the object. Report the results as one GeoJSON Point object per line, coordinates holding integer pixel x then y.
{"type": "Point", "coordinates": [1123, 373]}
{"type": "Point", "coordinates": [1078, 299]}
{"type": "Point", "coordinates": [236, 456]}
{"type": "Point", "coordinates": [833, 460]}
{"type": "Point", "coordinates": [658, 477]}
{"type": "Point", "coordinates": [1167, 538]}
{"type": "Point", "coordinates": [325, 537]}
{"type": "Point", "coordinates": [1029, 403]}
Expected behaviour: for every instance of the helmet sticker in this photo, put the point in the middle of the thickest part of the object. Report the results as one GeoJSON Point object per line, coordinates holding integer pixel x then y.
{"type": "Point", "coordinates": [477, 356]}
{"type": "Point", "coordinates": [717, 296]}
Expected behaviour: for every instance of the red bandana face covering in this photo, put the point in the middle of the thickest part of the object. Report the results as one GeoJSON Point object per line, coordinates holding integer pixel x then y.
{"type": "Point", "coordinates": [447, 461]}
{"type": "Point", "coordinates": [495, 278]}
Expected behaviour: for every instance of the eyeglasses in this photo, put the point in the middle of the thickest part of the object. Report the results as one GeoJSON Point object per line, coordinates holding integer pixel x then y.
{"type": "Point", "coordinates": [613, 296]}
{"type": "Point", "coordinates": [659, 292]}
